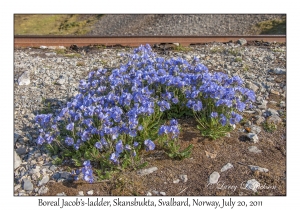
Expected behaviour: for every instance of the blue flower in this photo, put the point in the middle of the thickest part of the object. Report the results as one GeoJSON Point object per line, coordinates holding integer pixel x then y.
{"type": "Point", "coordinates": [135, 144]}
{"type": "Point", "coordinates": [214, 114]}
{"type": "Point", "coordinates": [119, 147]}
{"type": "Point", "coordinates": [69, 141]}
{"type": "Point", "coordinates": [70, 126]}
{"type": "Point", "coordinates": [149, 145]}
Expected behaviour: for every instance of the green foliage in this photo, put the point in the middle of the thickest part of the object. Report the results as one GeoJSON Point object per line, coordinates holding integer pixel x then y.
{"type": "Point", "coordinates": [269, 127]}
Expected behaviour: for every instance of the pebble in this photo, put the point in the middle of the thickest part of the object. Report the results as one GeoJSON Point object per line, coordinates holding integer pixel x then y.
{"type": "Point", "coordinates": [91, 192]}
{"type": "Point", "coordinates": [257, 168]}
{"type": "Point", "coordinates": [17, 160]}
{"type": "Point", "coordinates": [148, 194]}
{"type": "Point", "coordinates": [27, 185]}
{"type": "Point", "coordinates": [226, 167]}
{"type": "Point", "coordinates": [143, 172]}
{"type": "Point", "coordinates": [214, 177]}
{"type": "Point", "coordinates": [255, 129]}
{"type": "Point", "coordinates": [252, 184]}
{"type": "Point", "coordinates": [183, 177]}
{"type": "Point", "coordinates": [81, 193]}
{"type": "Point", "coordinates": [24, 79]}
{"type": "Point", "coordinates": [274, 119]}
{"type": "Point", "coordinates": [279, 71]}
{"type": "Point", "coordinates": [176, 181]}
{"type": "Point", "coordinates": [254, 149]}
{"type": "Point", "coordinates": [162, 193]}
{"type": "Point", "coordinates": [253, 137]}
{"type": "Point", "coordinates": [61, 194]}
{"type": "Point", "coordinates": [242, 41]}
{"type": "Point", "coordinates": [44, 180]}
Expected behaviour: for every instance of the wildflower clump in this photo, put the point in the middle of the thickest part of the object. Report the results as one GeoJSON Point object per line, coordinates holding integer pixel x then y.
{"type": "Point", "coordinates": [118, 113]}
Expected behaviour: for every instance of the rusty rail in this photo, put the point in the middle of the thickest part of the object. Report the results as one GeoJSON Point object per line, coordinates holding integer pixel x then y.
{"type": "Point", "coordinates": [133, 41]}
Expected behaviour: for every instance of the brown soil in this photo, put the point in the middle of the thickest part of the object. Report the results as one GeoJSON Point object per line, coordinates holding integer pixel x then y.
{"type": "Point", "coordinates": [198, 167]}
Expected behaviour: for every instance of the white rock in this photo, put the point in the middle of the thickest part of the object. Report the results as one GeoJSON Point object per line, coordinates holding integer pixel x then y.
{"type": "Point", "coordinates": [45, 180]}
{"type": "Point", "coordinates": [214, 177]}
{"type": "Point", "coordinates": [226, 167]}
{"type": "Point", "coordinates": [253, 137]}
{"type": "Point", "coordinates": [17, 161]}
{"type": "Point", "coordinates": [279, 71]}
{"type": "Point", "coordinates": [91, 192]}
{"type": "Point", "coordinates": [176, 181]}
{"type": "Point", "coordinates": [163, 193]}
{"type": "Point", "coordinates": [81, 193]}
{"type": "Point", "coordinates": [148, 194]}
{"type": "Point", "coordinates": [43, 47]}
{"type": "Point", "coordinates": [146, 171]}
{"type": "Point", "coordinates": [254, 149]}
{"type": "Point", "coordinates": [257, 168]}
{"type": "Point", "coordinates": [24, 79]}
{"type": "Point", "coordinates": [252, 184]}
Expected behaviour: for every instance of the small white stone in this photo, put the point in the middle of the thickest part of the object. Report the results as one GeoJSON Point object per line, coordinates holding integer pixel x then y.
{"type": "Point", "coordinates": [214, 177]}
{"type": "Point", "coordinates": [148, 194]}
{"type": "Point", "coordinates": [91, 192]}
{"type": "Point", "coordinates": [226, 167]}
{"type": "Point", "coordinates": [24, 79]}
{"type": "Point", "coordinates": [176, 181]}
{"type": "Point", "coordinates": [162, 193]}
{"type": "Point", "coordinates": [146, 171]}
{"type": "Point", "coordinates": [257, 168]}
{"type": "Point", "coordinates": [81, 193]}
{"type": "Point", "coordinates": [252, 185]}
{"type": "Point", "coordinates": [253, 137]}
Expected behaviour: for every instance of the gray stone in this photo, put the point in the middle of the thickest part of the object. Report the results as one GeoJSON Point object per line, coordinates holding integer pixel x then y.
{"type": "Point", "coordinates": [226, 167]}
{"type": "Point", "coordinates": [53, 168]}
{"type": "Point", "coordinates": [271, 112]}
{"type": "Point", "coordinates": [252, 184]}
{"type": "Point", "coordinates": [24, 79]}
{"type": "Point", "coordinates": [21, 150]}
{"type": "Point", "coordinates": [259, 120]}
{"type": "Point", "coordinates": [257, 168]}
{"type": "Point", "coordinates": [253, 137]}
{"type": "Point", "coordinates": [43, 190]}
{"type": "Point", "coordinates": [183, 177]}
{"type": "Point", "coordinates": [254, 149]}
{"type": "Point", "coordinates": [143, 172]}
{"type": "Point", "coordinates": [45, 180]}
{"type": "Point", "coordinates": [255, 129]}
{"type": "Point", "coordinates": [27, 185]}
{"type": "Point", "coordinates": [274, 119]}
{"type": "Point", "coordinates": [214, 177]}
{"type": "Point", "coordinates": [61, 194]}
{"type": "Point", "coordinates": [35, 170]}
{"type": "Point", "coordinates": [242, 41]}
{"type": "Point", "coordinates": [279, 71]}
{"type": "Point", "coordinates": [17, 160]}
{"type": "Point", "coordinates": [252, 86]}
{"type": "Point", "coordinates": [91, 192]}
{"type": "Point", "coordinates": [64, 175]}
{"type": "Point", "coordinates": [155, 192]}
{"type": "Point", "coordinates": [56, 176]}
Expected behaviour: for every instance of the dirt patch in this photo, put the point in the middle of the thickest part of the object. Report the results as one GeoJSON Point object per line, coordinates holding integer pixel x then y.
{"type": "Point", "coordinates": [198, 167]}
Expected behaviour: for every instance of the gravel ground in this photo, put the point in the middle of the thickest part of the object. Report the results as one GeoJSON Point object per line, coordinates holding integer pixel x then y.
{"type": "Point", "coordinates": [45, 78]}
{"type": "Point", "coordinates": [179, 24]}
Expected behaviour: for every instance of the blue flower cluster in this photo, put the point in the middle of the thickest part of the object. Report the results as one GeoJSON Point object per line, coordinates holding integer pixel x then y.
{"type": "Point", "coordinates": [110, 105]}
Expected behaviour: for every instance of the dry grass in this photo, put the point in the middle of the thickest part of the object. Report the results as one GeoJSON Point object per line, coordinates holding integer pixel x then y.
{"type": "Point", "coordinates": [44, 24]}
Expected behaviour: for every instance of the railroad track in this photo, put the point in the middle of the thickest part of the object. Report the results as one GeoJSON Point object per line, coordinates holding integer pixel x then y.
{"type": "Point", "coordinates": [133, 41]}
